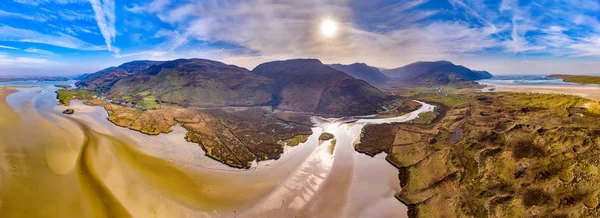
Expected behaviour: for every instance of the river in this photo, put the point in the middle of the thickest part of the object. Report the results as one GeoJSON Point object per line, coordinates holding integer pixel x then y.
{"type": "Point", "coordinates": [53, 165]}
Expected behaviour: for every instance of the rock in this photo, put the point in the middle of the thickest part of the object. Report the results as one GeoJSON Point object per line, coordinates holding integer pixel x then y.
{"type": "Point", "coordinates": [69, 111]}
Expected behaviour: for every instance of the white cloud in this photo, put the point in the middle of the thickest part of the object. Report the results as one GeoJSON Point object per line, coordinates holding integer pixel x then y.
{"type": "Point", "coordinates": [8, 47]}
{"type": "Point", "coordinates": [153, 6]}
{"type": "Point", "coordinates": [12, 14]}
{"type": "Point", "coordinates": [105, 18]}
{"type": "Point", "coordinates": [270, 30]}
{"type": "Point", "coordinates": [21, 61]}
{"type": "Point", "coordinates": [41, 2]}
{"type": "Point", "coordinates": [8, 33]}
{"type": "Point", "coordinates": [39, 51]}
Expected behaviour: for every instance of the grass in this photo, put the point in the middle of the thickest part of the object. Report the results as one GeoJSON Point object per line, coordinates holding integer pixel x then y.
{"type": "Point", "coordinates": [325, 136]}
{"type": "Point", "coordinates": [149, 102]}
{"type": "Point", "coordinates": [447, 95]}
{"type": "Point", "coordinates": [296, 140]}
{"type": "Point", "coordinates": [578, 79]}
{"type": "Point", "coordinates": [509, 146]}
{"type": "Point", "coordinates": [64, 95]}
{"type": "Point", "coordinates": [424, 118]}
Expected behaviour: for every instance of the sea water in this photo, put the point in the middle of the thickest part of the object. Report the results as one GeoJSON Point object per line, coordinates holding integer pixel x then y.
{"type": "Point", "coordinates": [527, 80]}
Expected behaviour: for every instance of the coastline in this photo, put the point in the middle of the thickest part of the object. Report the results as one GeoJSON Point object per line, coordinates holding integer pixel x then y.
{"type": "Point", "coordinates": [284, 172]}
{"type": "Point", "coordinates": [589, 92]}
{"type": "Point", "coordinates": [120, 158]}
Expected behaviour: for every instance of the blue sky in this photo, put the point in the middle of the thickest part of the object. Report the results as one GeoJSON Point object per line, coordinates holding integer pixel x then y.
{"type": "Point", "coordinates": [65, 37]}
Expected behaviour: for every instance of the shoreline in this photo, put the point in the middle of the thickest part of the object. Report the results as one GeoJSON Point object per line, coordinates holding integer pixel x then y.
{"type": "Point", "coordinates": [341, 173]}
{"type": "Point", "coordinates": [162, 146]}
{"type": "Point", "coordinates": [589, 92]}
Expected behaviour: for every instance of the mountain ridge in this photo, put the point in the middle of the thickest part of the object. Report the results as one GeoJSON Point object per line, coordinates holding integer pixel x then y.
{"type": "Point", "coordinates": [362, 71]}
{"type": "Point", "coordinates": [302, 85]}
{"type": "Point", "coordinates": [435, 72]}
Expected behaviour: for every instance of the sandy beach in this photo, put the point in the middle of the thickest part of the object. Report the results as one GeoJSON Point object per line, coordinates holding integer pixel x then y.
{"type": "Point", "coordinates": [590, 92]}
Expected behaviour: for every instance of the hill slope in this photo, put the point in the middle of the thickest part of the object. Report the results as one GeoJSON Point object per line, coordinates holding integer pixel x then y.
{"type": "Point", "coordinates": [362, 71]}
{"type": "Point", "coordinates": [310, 86]}
{"type": "Point", "coordinates": [579, 79]}
{"type": "Point", "coordinates": [196, 82]}
{"type": "Point", "coordinates": [103, 80]}
{"type": "Point", "coordinates": [438, 72]}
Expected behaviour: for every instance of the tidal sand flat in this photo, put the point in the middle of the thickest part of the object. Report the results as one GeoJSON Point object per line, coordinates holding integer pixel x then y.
{"type": "Point", "coordinates": [98, 169]}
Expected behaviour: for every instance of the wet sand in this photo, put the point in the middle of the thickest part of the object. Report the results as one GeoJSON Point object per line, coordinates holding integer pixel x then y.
{"type": "Point", "coordinates": [590, 92]}
{"type": "Point", "coordinates": [88, 167]}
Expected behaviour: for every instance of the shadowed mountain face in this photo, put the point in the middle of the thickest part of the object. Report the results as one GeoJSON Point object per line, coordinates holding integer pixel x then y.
{"type": "Point", "coordinates": [103, 80]}
{"type": "Point", "coordinates": [196, 82]}
{"type": "Point", "coordinates": [362, 71]}
{"type": "Point", "coordinates": [438, 72]}
{"type": "Point", "coordinates": [309, 85]}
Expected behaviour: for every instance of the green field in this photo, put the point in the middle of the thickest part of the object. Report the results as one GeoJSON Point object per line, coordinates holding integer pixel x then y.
{"type": "Point", "coordinates": [65, 95]}
{"type": "Point", "coordinates": [577, 79]}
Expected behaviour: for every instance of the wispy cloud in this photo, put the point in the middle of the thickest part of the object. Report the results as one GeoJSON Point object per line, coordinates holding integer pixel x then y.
{"type": "Point", "coordinates": [8, 33]}
{"type": "Point", "coordinates": [8, 47]}
{"type": "Point", "coordinates": [8, 60]}
{"type": "Point", "coordinates": [12, 14]}
{"type": "Point", "coordinates": [152, 6]}
{"type": "Point", "coordinates": [105, 18]}
{"type": "Point", "coordinates": [271, 30]}
{"type": "Point", "coordinates": [42, 2]}
{"type": "Point", "coordinates": [39, 51]}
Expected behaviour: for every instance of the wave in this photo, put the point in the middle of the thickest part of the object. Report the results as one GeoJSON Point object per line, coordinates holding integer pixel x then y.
{"type": "Point", "coordinates": [525, 80]}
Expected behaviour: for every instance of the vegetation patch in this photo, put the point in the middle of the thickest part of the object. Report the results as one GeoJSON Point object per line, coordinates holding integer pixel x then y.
{"type": "Point", "coordinates": [577, 79]}
{"type": "Point", "coordinates": [66, 95]}
{"type": "Point", "coordinates": [500, 155]}
{"type": "Point", "coordinates": [325, 136]}
{"type": "Point", "coordinates": [424, 118]}
{"type": "Point", "coordinates": [296, 140]}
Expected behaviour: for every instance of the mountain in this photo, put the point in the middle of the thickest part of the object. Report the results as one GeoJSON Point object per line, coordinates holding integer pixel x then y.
{"type": "Point", "coordinates": [438, 72]}
{"type": "Point", "coordinates": [195, 82]}
{"type": "Point", "coordinates": [80, 76]}
{"type": "Point", "coordinates": [311, 86]}
{"type": "Point", "coordinates": [101, 81]}
{"type": "Point", "coordinates": [303, 85]}
{"type": "Point", "coordinates": [362, 71]}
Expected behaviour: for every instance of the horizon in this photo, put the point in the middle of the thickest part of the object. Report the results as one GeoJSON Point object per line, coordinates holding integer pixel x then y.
{"type": "Point", "coordinates": [71, 37]}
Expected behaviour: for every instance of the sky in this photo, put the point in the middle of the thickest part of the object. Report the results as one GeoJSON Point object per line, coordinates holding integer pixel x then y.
{"type": "Point", "coordinates": [68, 37]}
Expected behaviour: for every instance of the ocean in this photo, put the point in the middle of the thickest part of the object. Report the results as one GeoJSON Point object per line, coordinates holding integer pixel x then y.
{"type": "Point", "coordinates": [526, 80]}
{"type": "Point", "coordinates": [38, 83]}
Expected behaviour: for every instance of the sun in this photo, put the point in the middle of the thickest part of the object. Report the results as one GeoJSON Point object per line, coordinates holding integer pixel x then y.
{"type": "Point", "coordinates": [328, 28]}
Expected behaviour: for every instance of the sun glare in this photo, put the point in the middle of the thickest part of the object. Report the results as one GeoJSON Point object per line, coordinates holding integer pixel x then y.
{"type": "Point", "coordinates": [328, 28]}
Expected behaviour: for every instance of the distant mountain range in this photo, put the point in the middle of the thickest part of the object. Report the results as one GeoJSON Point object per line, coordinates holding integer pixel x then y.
{"type": "Point", "coordinates": [363, 71]}
{"type": "Point", "coordinates": [35, 78]}
{"type": "Point", "coordinates": [304, 85]}
{"type": "Point", "coordinates": [437, 72]}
